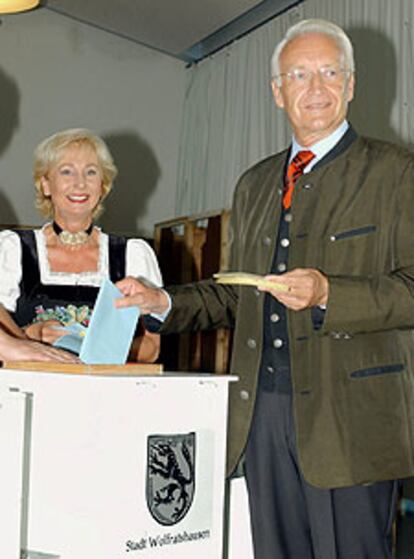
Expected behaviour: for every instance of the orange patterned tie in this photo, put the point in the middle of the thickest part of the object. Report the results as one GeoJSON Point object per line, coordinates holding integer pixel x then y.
{"type": "Point", "coordinates": [295, 169]}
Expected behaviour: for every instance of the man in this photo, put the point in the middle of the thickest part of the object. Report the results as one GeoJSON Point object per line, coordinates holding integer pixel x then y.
{"type": "Point", "coordinates": [323, 410]}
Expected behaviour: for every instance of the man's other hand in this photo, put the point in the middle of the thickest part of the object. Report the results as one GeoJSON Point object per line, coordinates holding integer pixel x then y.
{"type": "Point", "coordinates": [307, 287]}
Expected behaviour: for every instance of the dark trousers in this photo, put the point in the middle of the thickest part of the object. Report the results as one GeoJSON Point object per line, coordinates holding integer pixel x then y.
{"type": "Point", "coordinates": [294, 520]}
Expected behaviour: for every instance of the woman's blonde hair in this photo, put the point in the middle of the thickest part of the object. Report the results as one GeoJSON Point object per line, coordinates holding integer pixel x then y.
{"type": "Point", "coordinates": [50, 151]}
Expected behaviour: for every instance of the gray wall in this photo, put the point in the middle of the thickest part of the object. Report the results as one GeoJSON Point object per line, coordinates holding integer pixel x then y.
{"type": "Point", "coordinates": [56, 73]}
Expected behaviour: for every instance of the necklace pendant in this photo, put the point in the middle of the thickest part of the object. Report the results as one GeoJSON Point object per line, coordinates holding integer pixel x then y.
{"type": "Point", "coordinates": [73, 239]}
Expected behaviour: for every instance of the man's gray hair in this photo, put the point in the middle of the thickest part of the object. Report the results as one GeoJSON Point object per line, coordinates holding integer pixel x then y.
{"type": "Point", "coordinates": [319, 26]}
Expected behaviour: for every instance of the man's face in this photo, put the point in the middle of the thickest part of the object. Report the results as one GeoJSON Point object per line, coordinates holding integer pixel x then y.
{"type": "Point", "coordinates": [316, 105]}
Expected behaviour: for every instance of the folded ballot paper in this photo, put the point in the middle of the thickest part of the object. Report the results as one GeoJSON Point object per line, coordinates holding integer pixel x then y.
{"type": "Point", "coordinates": [107, 339]}
{"type": "Point", "coordinates": [244, 278]}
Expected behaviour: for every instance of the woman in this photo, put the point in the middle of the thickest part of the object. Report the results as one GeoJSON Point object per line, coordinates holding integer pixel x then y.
{"type": "Point", "coordinates": [51, 275]}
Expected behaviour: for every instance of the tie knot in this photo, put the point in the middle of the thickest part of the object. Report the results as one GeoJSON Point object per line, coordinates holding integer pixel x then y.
{"type": "Point", "coordinates": [294, 170]}
{"type": "Point", "coordinates": [302, 158]}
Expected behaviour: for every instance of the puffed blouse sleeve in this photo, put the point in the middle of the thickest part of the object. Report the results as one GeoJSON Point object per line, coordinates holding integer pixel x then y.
{"type": "Point", "coordinates": [10, 269]}
{"type": "Point", "coordinates": [141, 262]}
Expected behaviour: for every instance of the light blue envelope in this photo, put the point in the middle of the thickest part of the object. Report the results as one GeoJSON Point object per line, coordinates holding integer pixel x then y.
{"type": "Point", "coordinates": [108, 338]}
{"type": "Point", "coordinates": [72, 338]}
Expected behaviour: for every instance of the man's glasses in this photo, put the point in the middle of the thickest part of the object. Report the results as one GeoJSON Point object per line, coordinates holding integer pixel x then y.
{"type": "Point", "coordinates": [302, 76]}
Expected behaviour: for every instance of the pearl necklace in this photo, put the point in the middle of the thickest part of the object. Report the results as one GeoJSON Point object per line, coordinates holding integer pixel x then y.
{"type": "Point", "coordinates": [72, 239]}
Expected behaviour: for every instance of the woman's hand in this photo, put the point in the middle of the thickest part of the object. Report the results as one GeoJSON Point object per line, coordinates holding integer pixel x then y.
{"type": "Point", "coordinates": [45, 331]}
{"type": "Point", "coordinates": [16, 349]}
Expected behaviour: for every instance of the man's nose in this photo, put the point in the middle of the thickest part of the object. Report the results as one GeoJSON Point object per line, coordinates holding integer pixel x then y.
{"type": "Point", "coordinates": [316, 80]}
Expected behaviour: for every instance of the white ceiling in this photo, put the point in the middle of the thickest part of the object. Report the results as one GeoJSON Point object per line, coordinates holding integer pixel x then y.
{"type": "Point", "coordinates": [186, 29]}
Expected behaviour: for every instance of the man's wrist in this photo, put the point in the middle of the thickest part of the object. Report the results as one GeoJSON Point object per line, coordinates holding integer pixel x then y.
{"type": "Point", "coordinates": [164, 310]}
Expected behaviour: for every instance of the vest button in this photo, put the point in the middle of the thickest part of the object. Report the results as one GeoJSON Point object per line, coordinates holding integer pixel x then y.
{"type": "Point", "coordinates": [288, 217]}
{"type": "Point", "coordinates": [270, 369]}
{"type": "Point", "coordinates": [281, 267]}
{"type": "Point", "coordinates": [251, 343]}
{"type": "Point", "coordinates": [284, 243]}
{"type": "Point", "coordinates": [277, 343]}
{"type": "Point", "coordinates": [274, 317]}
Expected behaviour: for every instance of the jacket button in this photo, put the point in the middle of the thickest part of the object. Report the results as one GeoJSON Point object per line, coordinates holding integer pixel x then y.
{"type": "Point", "coordinates": [308, 186]}
{"type": "Point", "coordinates": [336, 335]}
{"type": "Point", "coordinates": [244, 395]}
{"type": "Point", "coordinates": [267, 241]}
{"type": "Point", "coordinates": [251, 343]}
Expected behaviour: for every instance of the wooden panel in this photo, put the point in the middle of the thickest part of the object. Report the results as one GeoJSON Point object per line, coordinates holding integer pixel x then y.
{"type": "Point", "coordinates": [176, 264]}
{"type": "Point", "coordinates": [190, 249]}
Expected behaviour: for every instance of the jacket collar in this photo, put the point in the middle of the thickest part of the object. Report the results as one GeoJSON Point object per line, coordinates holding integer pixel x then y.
{"type": "Point", "coordinates": [347, 139]}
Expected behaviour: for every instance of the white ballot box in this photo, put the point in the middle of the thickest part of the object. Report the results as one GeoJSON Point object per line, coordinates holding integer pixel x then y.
{"type": "Point", "coordinates": [12, 437]}
{"type": "Point", "coordinates": [108, 467]}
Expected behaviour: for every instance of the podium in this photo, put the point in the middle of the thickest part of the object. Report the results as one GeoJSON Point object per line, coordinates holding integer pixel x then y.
{"type": "Point", "coordinates": [112, 466]}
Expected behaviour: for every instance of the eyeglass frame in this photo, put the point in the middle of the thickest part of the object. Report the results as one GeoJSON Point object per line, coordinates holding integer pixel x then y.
{"type": "Point", "coordinates": [293, 78]}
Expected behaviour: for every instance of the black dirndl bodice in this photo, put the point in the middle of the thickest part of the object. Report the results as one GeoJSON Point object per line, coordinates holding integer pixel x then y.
{"type": "Point", "coordinates": [65, 303]}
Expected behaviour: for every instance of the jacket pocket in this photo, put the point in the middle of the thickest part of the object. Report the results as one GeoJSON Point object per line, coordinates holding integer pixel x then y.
{"type": "Point", "coordinates": [352, 249]}
{"type": "Point", "coordinates": [353, 233]}
{"type": "Point", "coordinates": [380, 370]}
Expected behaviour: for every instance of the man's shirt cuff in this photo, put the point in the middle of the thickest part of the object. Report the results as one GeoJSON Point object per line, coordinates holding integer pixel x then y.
{"type": "Point", "coordinates": [163, 317]}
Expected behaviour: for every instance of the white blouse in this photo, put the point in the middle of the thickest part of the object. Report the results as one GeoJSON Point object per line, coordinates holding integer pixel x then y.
{"type": "Point", "coordinates": [140, 259]}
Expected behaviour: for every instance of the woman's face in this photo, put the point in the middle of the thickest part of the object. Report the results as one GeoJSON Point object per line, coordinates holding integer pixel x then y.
{"type": "Point", "coordinates": [74, 185]}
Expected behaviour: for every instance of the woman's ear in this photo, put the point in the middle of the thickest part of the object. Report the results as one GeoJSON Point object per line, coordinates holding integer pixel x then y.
{"type": "Point", "coordinates": [44, 183]}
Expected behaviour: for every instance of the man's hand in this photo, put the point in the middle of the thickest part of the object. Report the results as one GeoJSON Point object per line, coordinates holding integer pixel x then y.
{"type": "Point", "coordinates": [148, 299]}
{"type": "Point", "coordinates": [307, 287]}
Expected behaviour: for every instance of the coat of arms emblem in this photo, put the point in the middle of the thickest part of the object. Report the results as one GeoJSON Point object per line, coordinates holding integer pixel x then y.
{"type": "Point", "coordinates": [170, 476]}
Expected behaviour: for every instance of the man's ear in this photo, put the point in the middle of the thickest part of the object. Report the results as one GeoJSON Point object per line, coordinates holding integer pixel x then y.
{"type": "Point", "coordinates": [277, 94]}
{"type": "Point", "coordinates": [350, 86]}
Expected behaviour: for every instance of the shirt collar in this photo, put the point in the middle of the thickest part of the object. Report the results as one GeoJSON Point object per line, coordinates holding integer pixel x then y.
{"type": "Point", "coordinates": [321, 148]}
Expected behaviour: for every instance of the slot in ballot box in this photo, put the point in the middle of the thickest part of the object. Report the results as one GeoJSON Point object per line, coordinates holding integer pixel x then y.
{"type": "Point", "coordinates": [105, 466]}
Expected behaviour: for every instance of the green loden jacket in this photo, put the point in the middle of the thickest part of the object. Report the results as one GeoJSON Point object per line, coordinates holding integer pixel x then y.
{"type": "Point", "coordinates": [353, 380]}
